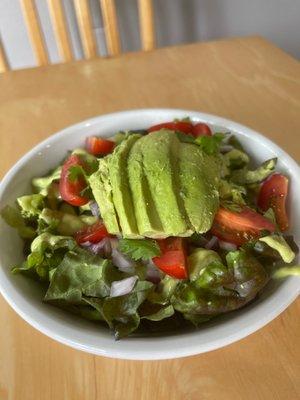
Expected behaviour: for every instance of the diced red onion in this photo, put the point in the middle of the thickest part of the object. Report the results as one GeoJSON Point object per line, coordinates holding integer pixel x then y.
{"type": "Point", "coordinates": [211, 243]}
{"type": "Point", "coordinates": [227, 246]}
{"type": "Point", "coordinates": [103, 247]}
{"type": "Point", "coordinates": [123, 263]}
{"type": "Point", "coordinates": [226, 148]}
{"type": "Point", "coordinates": [152, 272]}
{"type": "Point", "coordinates": [122, 287]}
{"type": "Point", "coordinates": [114, 243]}
{"type": "Point", "coordinates": [245, 288]}
{"type": "Point", "coordinates": [94, 209]}
{"type": "Point", "coordinates": [86, 244]}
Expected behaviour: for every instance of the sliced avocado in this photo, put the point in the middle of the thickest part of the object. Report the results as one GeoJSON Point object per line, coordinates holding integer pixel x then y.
{"type": "Point", "coordinates": [102, 191]}
{"type": "Point", "coordinates": [198, 180]}
{"type": "Point", "coordinates": [121, 193]}
{"type": "Point", "coordinates": [147, 219]}
{"type": "Point", "coordinates": [159, 150]}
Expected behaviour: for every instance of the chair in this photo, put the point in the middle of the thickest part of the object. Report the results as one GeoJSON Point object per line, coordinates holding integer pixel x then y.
{"type": "Point", "coordinates": [83, 16]}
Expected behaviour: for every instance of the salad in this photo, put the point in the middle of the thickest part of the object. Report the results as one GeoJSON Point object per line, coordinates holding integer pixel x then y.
{"type": "Point", "coordinates": [155, 229]}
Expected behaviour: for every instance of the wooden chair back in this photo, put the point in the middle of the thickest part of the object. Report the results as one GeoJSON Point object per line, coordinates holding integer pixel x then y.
{"type": "Point", "coordinates": [87, 36]}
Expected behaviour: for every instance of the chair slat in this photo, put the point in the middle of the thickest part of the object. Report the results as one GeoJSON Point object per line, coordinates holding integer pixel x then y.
{"type": "Point", "coordinates": [60, 29]}
{"type": "Point", "coordinates": [146, 24]}
{"type": "Point", "coordinates": [3, 60]}
{"type": "Point", "coordinates": [35, 32]}
{"type": "Point", "coordinates": [111, 27]}
{"type": "Point", "coordinates": [85, 28]}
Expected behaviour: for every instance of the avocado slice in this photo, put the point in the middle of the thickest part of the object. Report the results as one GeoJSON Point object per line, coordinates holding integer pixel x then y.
{"type": "Point", "coordinates": [102, 191]}
{"type": "Point", "coordinates": [159, 152]}
{"type": "Point", "coordinates": [198, 180]}
{"type": "Point", "coordinates": [121, 193]}
{"type": "Point", "coordinates": [147, 218]}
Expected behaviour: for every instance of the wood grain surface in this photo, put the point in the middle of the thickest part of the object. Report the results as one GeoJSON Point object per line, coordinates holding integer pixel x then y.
{"type": "Point", "coordinates": [247, 80]}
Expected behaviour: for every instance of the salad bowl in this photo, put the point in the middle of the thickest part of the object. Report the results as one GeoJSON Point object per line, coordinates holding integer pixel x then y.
{"type": "Point", "coordinates": [25, 296]}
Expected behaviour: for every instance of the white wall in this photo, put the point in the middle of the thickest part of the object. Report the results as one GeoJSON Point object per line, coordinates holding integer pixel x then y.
{"type": "Point", "coordinates": [177, 21]}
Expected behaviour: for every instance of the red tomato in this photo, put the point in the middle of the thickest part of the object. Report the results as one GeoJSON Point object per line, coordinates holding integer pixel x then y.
{"type": "Point", "coordinates": [172, 260]}
{"type": "Point", "coordinates": [70, 189]}
{"type": "Point", "coordinates": [93, 233]}
{"type": "Point", "coordinates": [181, 126]}
{"type": "Point", "coordinates": [98, 146]}
{"type": "Point", "coordinates": [201, 129]}
{"type": "Point", "coordinates": [273, 194]}
{"type": "Point", "coordinates": [240, 227]}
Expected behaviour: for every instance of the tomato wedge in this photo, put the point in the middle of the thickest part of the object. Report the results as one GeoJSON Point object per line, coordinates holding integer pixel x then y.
{"type": "Point", "coordinates": [181, 126]}
{"type": "Point", "coordinates": [240, 227]}
{"type": "Point", "coordinates": [272, 194]}
{"type": "Point", "coordinates": [98, 146]}
{"type": "Point", "coordinates": [173, 259]}
{"type": "Point", "coordinates": [70, 189]}
{"type": "Point", "coordinates": [201, 129]}
{"type": "Point", "coordinates": [93, 233]}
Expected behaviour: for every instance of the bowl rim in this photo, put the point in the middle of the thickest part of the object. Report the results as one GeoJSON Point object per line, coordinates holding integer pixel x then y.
{"type": "Point", "coordinates": [166, 353]}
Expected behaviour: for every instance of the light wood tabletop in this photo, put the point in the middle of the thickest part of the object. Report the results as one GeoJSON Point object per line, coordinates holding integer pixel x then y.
{"type": "Point", "coordinates": [248, 80]}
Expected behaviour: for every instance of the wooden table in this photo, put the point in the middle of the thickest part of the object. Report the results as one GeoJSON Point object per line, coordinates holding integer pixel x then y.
{"type": "Point", "coordinates": [248, 80]}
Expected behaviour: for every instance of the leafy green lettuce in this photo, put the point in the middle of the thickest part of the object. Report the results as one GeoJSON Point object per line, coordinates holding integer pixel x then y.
{"type": "Point", "coordinates": [236, 159]}
{"type": "Point", "coordinates": [287, 271]}
{"type": "Point", "coordinates": [42, 185]}
{"type": "Point", "coordinates": [31, 205]}
{"type": "Point", "coordinates": [278, 243]}
{"type": "Point", "coordinates": [79, 274]}
{"type": "Point", "coordinates": [246, 177]}
{"type": "Point", "coordinates": [82, 282]}
{"type": "Point", "coordinates": [62, 223]}
{"type": "Point", "coordinates": [47, 251]}
{"type": "Point", "coordinates": [217, 288]}
{"type": "Point", "coordinates": [14, 218]}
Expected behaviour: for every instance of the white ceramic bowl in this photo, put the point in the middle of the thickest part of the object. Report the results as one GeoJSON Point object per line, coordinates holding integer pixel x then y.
{"type": "Point", "coordinates": [25, 296]}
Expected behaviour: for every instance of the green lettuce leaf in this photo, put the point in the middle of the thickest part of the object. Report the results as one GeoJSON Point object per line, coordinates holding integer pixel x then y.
{"type": "Point", "coordinates": [31, 205]}
{"type": "Point", "coordinates": [278, 243]}
{"type": "Point", "coordinates": [233, 141]}
{"type": "Point", "coordinates": [62, 223]}
{"type": "Point", "coordinates": [219, 289]}
{"type": "Point", "coordinates": [42, 185]}
{"type": "Point", "coordinates": [230, 191]}
{"type": "Point", "coordinates": [13, 217]}
{"type": "Point", "coordinates": [246, 177]}
{"type": "Point", "coordinates": [214, 275]}
{"type": "Point", "coordinates": [287, 271]}
{"type": "Point", "coordinates": [155, 312]}
{"type": "Point", "coordinates": [189, 299]}
{"type": "Point", "coordinates": [249, 274]}
{"type": "Point", "coordinates": [81, 274]}
{"type": "Point", "coordinates": [139, 249]}
{"type": "Point", "coordinates": [163, 290]}
{"type": "Point", "coordinates": [236, 159]}
{"type": "Point", "coordinates": [199, 260]}
{"type": "Point", "coordinates": [270, 215]}
{"type": "Point", "coordinates": [90, 161]}
{"type": "Point", "coordinates": [46, 241]}
{"type": "Point", "coordinates": [47, 251]}
{"type": "Point", "coordinates": [121, 313]}
{"type": "Point", "coordinates": [96, 304]}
